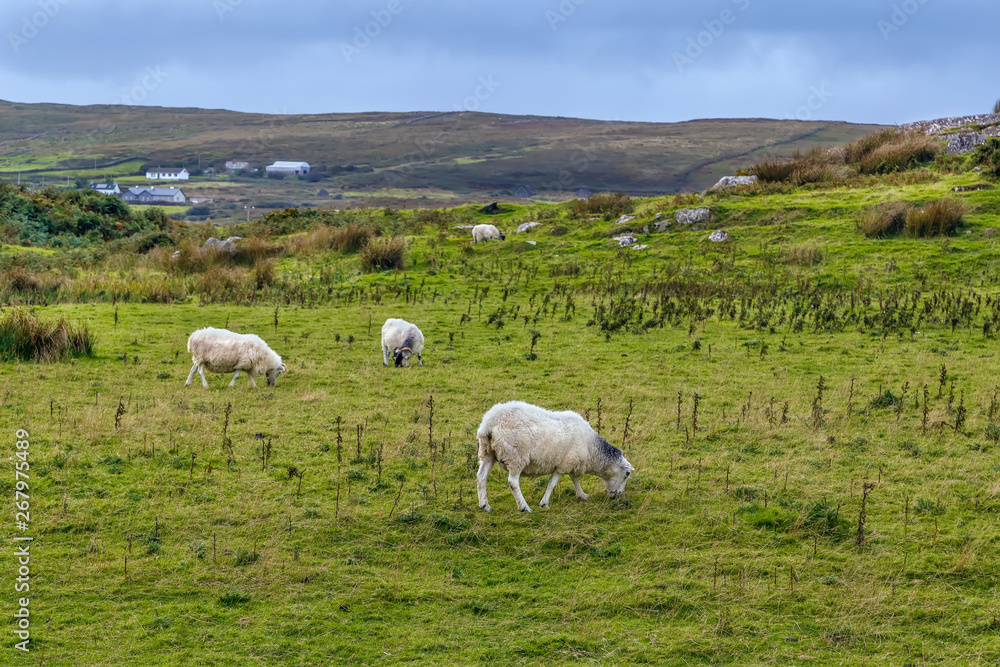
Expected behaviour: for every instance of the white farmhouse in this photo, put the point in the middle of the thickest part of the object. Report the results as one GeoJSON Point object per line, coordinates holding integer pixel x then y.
{"type": "Point", "coordinates": [167, 174]}
{"type": "Point", "coordinates": [106, 188]}
{"type": "Point", "coordinates": [292, 168]}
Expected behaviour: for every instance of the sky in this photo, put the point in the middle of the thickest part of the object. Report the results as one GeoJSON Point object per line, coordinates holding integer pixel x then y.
{"type": "Point", "coordinates": [871, 61]}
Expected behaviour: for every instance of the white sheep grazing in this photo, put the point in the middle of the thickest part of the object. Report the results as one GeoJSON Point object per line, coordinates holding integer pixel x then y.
{"type": "Point", "coordinates": [400, 339]}
{"type": "Point", "coordinates": [486, 232]}
{"type": "Point", "coordinates": [527, 440]}
{"type": "Point", "coordinates": [223, 351]}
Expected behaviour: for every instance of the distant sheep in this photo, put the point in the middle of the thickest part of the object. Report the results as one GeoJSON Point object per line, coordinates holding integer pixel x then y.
{"type": "Point", "coordinates": [486, 232]}
{"type": "Point", "coordinates": [400, 340]}
{"type": "Point", "coordinates": [223, 351]}
{"type": "Point", "coordinates": [525, 439]}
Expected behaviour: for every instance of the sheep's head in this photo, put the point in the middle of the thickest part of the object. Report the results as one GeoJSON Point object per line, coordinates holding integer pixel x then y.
{"type": "Point", "coordinates": [503, 237]}
{"type": "Point", "coordinates": [273, 373]}
{"type": "Point", "coordinates": [618, 475]}
{"type": "Point", "coordinates": [401, 356]}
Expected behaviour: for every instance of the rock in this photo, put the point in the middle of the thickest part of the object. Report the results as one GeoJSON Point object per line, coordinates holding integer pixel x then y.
{"type": "Point", "coordinates": [527, 225]}
{"type": "Point", "coordinates": [645, 230]}
{"type": "Point", "coordinates": [533, 242]}
{"type": "Point", "coordinates": [972, 188]}
{"type": "Point", "coordinates": [639, 247]}
{"type": "Point", "coordinates": [176, 255]}
{"type": "Point", "coordinates": [968, 232]}
{"type": "Point", "coordinates": [663, 225]}
{"type": "Point", "coordinates": [689, 216]}
{"type": "Point", "coordinates": [960, 144]}
{"type": "Point", "coordinates": [491, 209]}
{"type": "Point", "coordinates": [625, 240]}
{"type": "Point", "coordinates": [229, 245]}
{"type": "Point", "coordinates": [718, 236]}
{"type": "Point", "coordinates": [625, 218]}
{"type": "Point", "coordinates": [734, 181]}
{"type": "Point", "coordinates": [659, 216]}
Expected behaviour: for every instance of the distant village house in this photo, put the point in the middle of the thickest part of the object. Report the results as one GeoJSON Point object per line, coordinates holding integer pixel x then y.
{"type": "Point", "coordinates": [141, 195]}
{"type": "Point", "coordinates": [236, 165]}
{"type": "Point", "coordinates": [290, 168]}
{"type": "Point", "coordinates": [106, 188]}
{"type": "Point", "coordinates": [167, 174]}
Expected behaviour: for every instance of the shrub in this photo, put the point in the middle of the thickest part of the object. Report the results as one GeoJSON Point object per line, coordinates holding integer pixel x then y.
{"type": "Point", "coordinates": [614, 204]}
{"type": "Point", "coordinates": [987, 156]}
{"type": "Point", "coordinates": [381, 254]}
{"type": "Point", "coordinates": [857, 151]}
{"type": "Point", "coordinates": [816, 166]}
{"type": "Point", "coordinates": [940, 218]}
{"type": "Point", "coordinates": [351, 238]}
{"type": "Point", "coordinates": [996, 107]}
{"type": "Point", "coordinates": [883, 220]}
{"type": "Point", "coordinates": [773, 170]}
{"type": "Point", "coordinates": [25, 337]}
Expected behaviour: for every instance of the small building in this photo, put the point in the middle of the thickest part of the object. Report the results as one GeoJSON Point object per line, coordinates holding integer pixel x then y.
{"type": "Point", "coordinates": [141, 195]}
{"type": "Point", "coordinates": [290, 168]}
{"type": "Point", "coordinates": [106, 188]}
{"type": "Point", "coordinates": [167, 174]}
{"type": "Point", "coordinates": [236, 165]}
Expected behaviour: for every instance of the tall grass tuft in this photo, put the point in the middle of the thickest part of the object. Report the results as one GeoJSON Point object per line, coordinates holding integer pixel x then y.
{"type": "Point", "coordinates": [381, 254]}
{"type": "Point", "coordinates": [816, 166]}
{"type": "Point", "coordinates": [884, 220]}
{"type": "Point", "coordinates": [803, 254]}
{"type": "Point", "coordinates": [996, 107]}
{"type": "Point", "coordinates": [613, 204]}
{"type": "Point", "coordinates": [25, 337]}
{"type": "Point", "coordinates": [940, 218]}
{"type": "Point", "coordinates": [891, 150]}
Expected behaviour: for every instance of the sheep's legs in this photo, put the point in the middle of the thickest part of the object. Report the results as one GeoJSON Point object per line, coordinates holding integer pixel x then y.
{"type": "Point", "coordinates": [548, 489]}
{"type": "Point", "coordinates": [252, 383]}
{"type": "Point", "coordinates": [194, 369]}
{"type": "Point", "coordinates": [485, 465]}
{"type": "Point", "coordinates": [579, 490]}
{"type": "Point", "coordinates": [420, 359]}
{"type": "Point", "coordinates": [513, 481]}
{"type": "Point", "coordinates": [232, 383]}
{"type": "Point", "coordinates": [385, 356]}
{"type": "Point", "coordinates": [201, 372]}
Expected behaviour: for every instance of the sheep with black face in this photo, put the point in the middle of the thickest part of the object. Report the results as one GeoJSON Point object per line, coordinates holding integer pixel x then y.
{"type": "Point", "coordinates": [528, 440]}
{"type": "Point", "coordinates": [401, 340]}
{"type": "Point", "coordinates": [486, 232]}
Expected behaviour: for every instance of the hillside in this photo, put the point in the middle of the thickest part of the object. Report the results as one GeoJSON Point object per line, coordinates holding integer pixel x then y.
{"type": "Point", "coordinates": [392, 158]}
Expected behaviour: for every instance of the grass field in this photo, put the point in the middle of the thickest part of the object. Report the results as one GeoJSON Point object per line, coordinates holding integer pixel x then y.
{"type": "Point", "coordinates": [778, 390]}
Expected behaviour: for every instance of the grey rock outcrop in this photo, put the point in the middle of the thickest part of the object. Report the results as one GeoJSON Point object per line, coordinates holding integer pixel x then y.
{"type": "Point", "coordinates": [718, 236]}
{"type": "Point", "coordinates": [960, 144]}
{"type": "Point", "coordinates": [624, 241]}
{"type": "Point", "coordinates": [689, 216]}
{"type": "Point", "coordinates": [733, 181]}
{"type": "Point", "coordinates": [229, 245]}
{"type": "Point", "coordinates": [527, 225]}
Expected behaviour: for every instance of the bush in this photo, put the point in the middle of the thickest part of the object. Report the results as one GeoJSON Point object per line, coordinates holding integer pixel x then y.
{"type": "Point", "coordinates": [614, 205]}
{"type": "Point", "coordinates": [816, 166]}
{"type": "Point", "coordinates": [381, 254]}
{"type": "Point", "coordinates": [940, 218]}
{"type": "Point", "coordinates": [24, 337]}
{"type": "Point", "coordinates": [773, 170]}
{"type": "Point", "coordinates": [351, 238]}
{"type": "Point", "coordinates": [857, 151]}
{"type": "Point", "coordinates": [987, 156]}
{"type": "Point", "coordinates": [883, 220]}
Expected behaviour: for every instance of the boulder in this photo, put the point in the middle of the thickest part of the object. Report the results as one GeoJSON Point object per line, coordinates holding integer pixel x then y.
{"type": "Point", "coordinates": [639, 247]}
{"type": "Point", "coordinates": [718, 236]}
{"type": "Point", "coordinates": [960, 144]}
{"type": "Point", "coordinates": [663, 225]}
{"type": "Point", "coordinates": [625, 218]}
{"type": "Point", "coordinates": [229, 245]}
{"type": "Point", "coordinates": [492, 209]}
{"type": "Point", "coordinates": [689, 216]}
{"type": "Point", "coordinates": [624, 241]}
{"type": "Point", "coordinates": [734, 181]}
{"type": "Point", "coordinates": [526, 226]}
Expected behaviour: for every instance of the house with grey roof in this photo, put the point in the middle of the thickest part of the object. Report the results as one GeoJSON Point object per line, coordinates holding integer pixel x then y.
{"type": "Point", "coordinates": [106, 188]}
{"type": "Point", "coordinates": [150, 195]}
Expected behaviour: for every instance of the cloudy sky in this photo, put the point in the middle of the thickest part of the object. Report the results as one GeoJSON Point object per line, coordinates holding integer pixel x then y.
{"type": "Point", "coordinates": [871, 61]}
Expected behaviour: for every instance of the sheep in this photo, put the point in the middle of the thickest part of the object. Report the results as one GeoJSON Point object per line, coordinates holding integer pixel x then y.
{"type": "Point", "coordinates": [400, 339]}
{"type": "Point", "coordinates": [223, 351]}
{"type": "Point", "coordinates": [529, 440]}
{"type": "Point", "coordinates": [486, 232]}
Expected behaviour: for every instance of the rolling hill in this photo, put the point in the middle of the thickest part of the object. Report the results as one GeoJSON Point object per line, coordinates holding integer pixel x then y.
{"type": "Point", "coordinates": [392, 158]}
